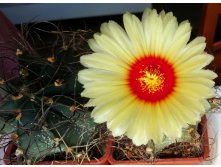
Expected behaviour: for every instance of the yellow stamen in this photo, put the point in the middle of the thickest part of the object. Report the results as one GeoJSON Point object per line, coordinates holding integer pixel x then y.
{"type": "Point", "coordinates": [152, 79]}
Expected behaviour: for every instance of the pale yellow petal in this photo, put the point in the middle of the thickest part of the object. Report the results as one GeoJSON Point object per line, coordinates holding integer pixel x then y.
{"type": "Point", "coordinates": [101, 112]}
{"type": "Point", "coordinates": [146, 13]}
{"type": "Point", "coordinates": [162, 14]}
{"type": "Point", "coordinates": [156, 41]}
{"type": "Point", "coordinates": [118, 34]}
{"type": "Point", "coordinates": [105, 83]}
{"type": "Point", "coordinates": [200, 80]}
{"type": "Point", "coordinates": [169, 30]}
{"type": "Point", "coordinates": [119, 124]}
{"type": "Point", "coordinates": [167, 17]}
{"type": "Point", "coordinates": [193, 104]}
{"type": "Point", "coordinates": [104, 98]}
{"type": "Point", "coordinates": [177, 46]}
{"type": "Point", "coordinates": [95, 47]}
{"type": "Point", "coordinates": [174, 38]}
{"type": "Point", "coordinates": [97, 91]}
{"type": "Point", "coordinates": [88, 75]}
{"type": "Point", "coordinates": [104, 47]}
{"type": "Point", "coordinates": [208, 74]}
{"type": "Point", "coordinates": [147, 30]}
{"type": "Point", "coordinates": [152, 26]}
{"type": "Point", "coordinates": [178, 43]}
{"type": "Point", "coordinates": [113, 48]}
{"type": "Point", "coordinates": [145, 126]}
{"type": "Point", "coordinates": [168, 123]}
{"type": "Point", "coordinates": [196, 41]}
{"type": "Point", "coordinates": [195, 63]}
{"type": "Point", "coordinates": [134, 29]}
{"type": "Point", "coordinates": [110, 109]}
{"type": "Point", "coordinates": [180, 119]}
{"type": "Point", "coordinates": [184, 27]}
{"type": "Point", "coordinates": [122, 105]}
{"type": "Point", "coordinates": [195, 47]}
{"type": "Point", "coordinates": [184, 112]}
{"type": "Point", "coordinates": [153, 125]}
{"type": "Point", "coordinates": [104, 62]}
{"type": "Point", "coordinates": [137, 130]}
{"type": "Point", "coordinates": [195, 90]}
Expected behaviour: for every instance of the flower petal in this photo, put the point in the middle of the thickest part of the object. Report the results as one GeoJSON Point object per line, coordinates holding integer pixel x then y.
{"type": "Point", "coordinates": [195, 90]}
{"type": "Point", "coordinates": [119, 124]}
{"type": "Point", "coordinates": [200, 80]}
{"type": "Point", "coordinates": [96, 91]}
{"type": "Point", "coordinates": [195, 63]}
{"type": "Point", "coordinates": [89, 75]}
{"type": "Point", "coordinates": [152, 33]}
{"type": "Point", "coordinates": [118, 34]}
{"type": "Point", "coordinates": [108, 97]}
{"type": "Point", "coordinates": [103, 61]}
{"type": "Point", "coordinates": [179, 41]}
{"type": "Point", "coordinates": [195, 47]}
{"type": "Point", "coordinates": [168, 33]}
{"type": "Point", "coordinates": [201, 73]}
{"type": "Point", "coordinates": [134, 29]}
{"type": "Point", "coordinates": [109, 109]}
{"type": "Point", "coordinates": [137, 129]}
{"type": "Point", "coordinates": [170, 125]}
{"type": "Point", "coordinates": [184, 112]}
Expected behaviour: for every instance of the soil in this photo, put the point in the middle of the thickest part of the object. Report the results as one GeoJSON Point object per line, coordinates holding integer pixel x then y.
{"type": "Point", "coordinates": [124, 149]}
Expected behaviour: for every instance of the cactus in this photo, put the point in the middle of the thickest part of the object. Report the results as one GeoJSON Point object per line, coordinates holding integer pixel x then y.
{"type": "Point", "coordinates": [42, 108]}
{"type": "Point", "coordinates": [187, 136]}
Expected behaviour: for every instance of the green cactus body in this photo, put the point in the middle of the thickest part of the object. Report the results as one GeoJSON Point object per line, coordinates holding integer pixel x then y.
{"type": "Point", "coordinates": [8, 126]}
{"type": "Point", "coordinates": [186, 137]}
{"type": "Point", "coordinates": [38, 144]}
{"type": "Point", "coordinates": [76, 130]}
{"type": "Point", "coordinates": [43, 105]}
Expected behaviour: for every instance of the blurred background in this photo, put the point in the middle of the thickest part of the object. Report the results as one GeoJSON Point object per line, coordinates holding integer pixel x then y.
{"type": "Point", "coordinates": [27, 13]}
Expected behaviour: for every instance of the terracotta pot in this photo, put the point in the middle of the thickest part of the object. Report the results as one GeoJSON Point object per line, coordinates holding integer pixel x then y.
{"type": "Point", "coordinates": [100, 161]}
{"type": "Point", "coordinates": [172, 161]}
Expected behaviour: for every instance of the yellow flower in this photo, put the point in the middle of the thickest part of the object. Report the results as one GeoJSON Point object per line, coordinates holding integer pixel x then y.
{"type": "Point", "coordinates": [147, 81]}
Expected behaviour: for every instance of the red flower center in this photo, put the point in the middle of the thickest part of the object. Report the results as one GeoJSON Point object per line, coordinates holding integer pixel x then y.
{"type": "Point", "coordinates": [151, 79]}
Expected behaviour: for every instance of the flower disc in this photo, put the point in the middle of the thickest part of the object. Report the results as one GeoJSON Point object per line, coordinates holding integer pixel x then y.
{"type": "Point", "coordinates": [151, 79]}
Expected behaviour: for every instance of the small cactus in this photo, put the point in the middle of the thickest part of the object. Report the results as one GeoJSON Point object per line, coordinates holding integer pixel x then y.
{"type": "Point", "coordinates": [42, 109]}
